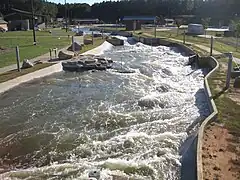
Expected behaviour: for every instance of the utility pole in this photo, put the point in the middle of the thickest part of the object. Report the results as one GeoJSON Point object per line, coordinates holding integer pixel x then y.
{"type": "Point", "coordinates": [33, 25]}
{"type": "Point", "coordinates": [66, 21]}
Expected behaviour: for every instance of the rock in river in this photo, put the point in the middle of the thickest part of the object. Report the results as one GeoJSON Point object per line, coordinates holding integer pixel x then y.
{"type": "Point", "coordinates": [63, 55]}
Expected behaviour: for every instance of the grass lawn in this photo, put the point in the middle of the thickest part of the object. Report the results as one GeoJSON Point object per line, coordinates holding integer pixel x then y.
{"type": "Point", "coordinates": [14, 73]}
{"type": "Point", "coordinates": [24, 40]}
{"type": "Point", "coordinates": [228, 108]}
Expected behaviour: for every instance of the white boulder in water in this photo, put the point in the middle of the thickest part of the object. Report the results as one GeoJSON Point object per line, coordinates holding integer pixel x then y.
{"type": "Point", "coordinates": [27, 64]}
{"type": "Point", "coordinates": [167, 72]}
{"type": "Point", "coordinates": [150, 102]}
{"type": "Point", "coordinates": [94, 174]}
{"type": "Point", "coordinates": [163, 88]}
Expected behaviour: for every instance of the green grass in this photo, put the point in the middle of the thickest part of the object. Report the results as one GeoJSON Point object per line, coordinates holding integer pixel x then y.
{"type": "Point", "coordinates": [229, 111]}
{"type": "Point", "coordinates": [24, 40]}
{"type": "Point", "coordinates": [14, 73]}
{"type": "Point", "coordinates": [20, 34]}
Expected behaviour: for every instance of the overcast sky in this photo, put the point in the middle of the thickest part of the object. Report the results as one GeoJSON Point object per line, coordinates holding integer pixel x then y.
{"type": "Point", "coordinates": [76, 1]}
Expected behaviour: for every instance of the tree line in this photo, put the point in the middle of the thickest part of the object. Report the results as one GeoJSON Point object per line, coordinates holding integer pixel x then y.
{"type": "Point", "coordinates": [110, 11]}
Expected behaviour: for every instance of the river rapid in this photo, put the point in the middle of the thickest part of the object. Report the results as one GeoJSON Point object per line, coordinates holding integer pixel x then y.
{"type": "Point", "coordinates": [109, 124]}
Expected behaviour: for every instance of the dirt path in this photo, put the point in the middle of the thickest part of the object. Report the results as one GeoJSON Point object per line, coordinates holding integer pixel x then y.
{"type": "Point", "coordinates": [221, 154]}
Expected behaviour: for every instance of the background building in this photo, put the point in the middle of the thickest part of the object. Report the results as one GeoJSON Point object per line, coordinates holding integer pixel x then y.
{"type": "Point", "coordinates": [135, 22]}
{"type": "Point", "coordinates": [3, 25]}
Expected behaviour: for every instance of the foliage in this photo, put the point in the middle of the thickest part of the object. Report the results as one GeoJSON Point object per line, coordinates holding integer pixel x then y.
{"type": "Point", "coordinates": [179, 22]}
{"type": "Point", "coordinates": [110, 11]}
{"type": "Point", "coordinates": [205, 22]}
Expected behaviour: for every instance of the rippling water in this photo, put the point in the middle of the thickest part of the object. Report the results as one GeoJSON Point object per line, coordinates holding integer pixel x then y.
{"type": "Point", "coordinates": [121, 124]}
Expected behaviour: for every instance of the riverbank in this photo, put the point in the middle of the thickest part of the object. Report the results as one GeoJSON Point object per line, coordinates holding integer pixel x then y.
{"type": "Point", "coordinates": [45, 40]}
{"type": "Point", "coordinates": [221, 147]}
{"type": "Point", "coordinates": [9, 72]}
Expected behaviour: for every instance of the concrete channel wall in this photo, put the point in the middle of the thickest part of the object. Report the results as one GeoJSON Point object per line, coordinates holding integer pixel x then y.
{"type": "Point", "coordinates": [5, 86]}
{"type": "Point", "coordinates": [212, 63]}
{"type": "Point", "coordinates": [163, 42]}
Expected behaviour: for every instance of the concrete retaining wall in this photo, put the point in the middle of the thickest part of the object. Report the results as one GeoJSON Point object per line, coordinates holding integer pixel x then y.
{"type": "Point", "coordinates": [213, 64]}
{"type": "Point", "coordinates": [5, 86]}
{"type": "Point", "coordinates": [116, 41]}
{"type": "Point", "coordinates": [164, 42]}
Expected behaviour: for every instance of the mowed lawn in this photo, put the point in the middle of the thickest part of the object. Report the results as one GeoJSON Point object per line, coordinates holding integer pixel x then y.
{"type": "Point", "coordinates": [24, 39]}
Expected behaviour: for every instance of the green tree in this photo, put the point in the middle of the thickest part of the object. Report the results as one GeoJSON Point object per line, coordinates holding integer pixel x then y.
{"type": "Point", "coordinates": [178, 22]}
{"type": "Point", "coordinates": [236, 27]}
{"type": "Point", "coordinates": [205, 23]}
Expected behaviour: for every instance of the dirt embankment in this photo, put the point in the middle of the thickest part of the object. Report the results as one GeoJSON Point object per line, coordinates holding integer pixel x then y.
{"type": "Point", "coordinates": [221, 154]}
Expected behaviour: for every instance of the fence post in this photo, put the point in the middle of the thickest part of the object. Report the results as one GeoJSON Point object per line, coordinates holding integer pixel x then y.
{"type": "Point", "coordinates": [92, 38]}
{"type": "Point", "coordinates": [230, 59]}
{"type": "Point", "coordinates": [73, 44]}
{"type": "Point", "coordinates": [55, 50]}
{"type": "Point", "coordinates": [50, 51]}
{"type": "Point", "coordinates": [18, 59]}
{"type": "Point", "coordinates": [211, 47]}
{"type": "Point", "coordinates": [184, 37]}
{"type": "Point", "coordinates": [155, 29]}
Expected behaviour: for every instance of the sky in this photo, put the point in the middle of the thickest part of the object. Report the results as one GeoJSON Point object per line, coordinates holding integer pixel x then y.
{"type": "Point", "coordinates": [76, 1]}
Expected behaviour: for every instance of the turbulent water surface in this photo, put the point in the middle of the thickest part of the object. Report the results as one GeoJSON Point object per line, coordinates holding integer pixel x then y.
{"type": "Point", "coordinates": [118, 124]}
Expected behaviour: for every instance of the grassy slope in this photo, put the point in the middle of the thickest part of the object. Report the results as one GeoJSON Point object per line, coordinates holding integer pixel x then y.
{"type": "Point", "coordinates": [229, 111]}
{"type": "Point", "coordinates": [14, 73]}
{"type": "Point", "coordinates": [24, 40]}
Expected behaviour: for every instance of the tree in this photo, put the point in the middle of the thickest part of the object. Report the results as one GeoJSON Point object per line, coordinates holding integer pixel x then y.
{"type": "Point", "coordinates": [205, 23]}
{"type": "Point", "coordinates": [179, 22]}
{"type": "Point", "coordinates": [236, 27]}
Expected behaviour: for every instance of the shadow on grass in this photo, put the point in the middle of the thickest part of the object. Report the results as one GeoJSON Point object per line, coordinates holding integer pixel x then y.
{"type": "Point", "coordinates": [218, 94]}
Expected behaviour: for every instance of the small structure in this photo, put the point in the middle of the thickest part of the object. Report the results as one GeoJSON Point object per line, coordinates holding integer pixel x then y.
{"type": "Point", "coordinates": [3, 25]}
{"type": "Point", "coordinates": [169, 22]}
{"type": "Point", "coordinates": [135, 22]}
{"type": "Point", "coordinates": [195, 29]}
{"type": "Point", "coordinates": [60, 20]}
{"type": "Point", "coordinates": [85, 21]}
{"type": "Point", "coordinates": [19, 25]}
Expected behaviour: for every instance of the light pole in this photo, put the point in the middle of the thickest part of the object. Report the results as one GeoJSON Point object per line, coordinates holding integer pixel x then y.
{"type": "Point", "coordinates": [33, 25]}
{"type": "Point", "coordinates": [66, 21]}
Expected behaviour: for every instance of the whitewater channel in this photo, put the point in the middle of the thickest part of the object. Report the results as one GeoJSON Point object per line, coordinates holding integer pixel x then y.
{"type": "Point", "coordinates": [110, 124]}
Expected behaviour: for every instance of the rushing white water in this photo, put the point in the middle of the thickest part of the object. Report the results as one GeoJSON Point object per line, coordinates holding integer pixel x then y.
{"type": "Point", "coordinates": [109, 124]}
